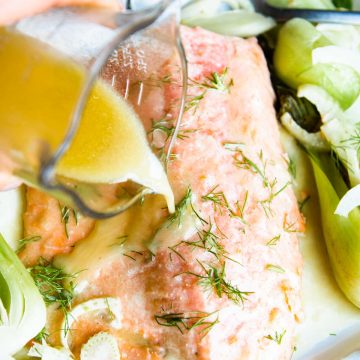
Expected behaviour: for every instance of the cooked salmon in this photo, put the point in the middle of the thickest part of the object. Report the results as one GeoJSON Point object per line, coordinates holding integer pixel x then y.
{"type": "Point", "coordinates": [231, 289]}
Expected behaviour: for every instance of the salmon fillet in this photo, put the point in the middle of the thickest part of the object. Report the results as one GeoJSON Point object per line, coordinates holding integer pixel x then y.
{"type": "Point", "coordinates": [231, 290]}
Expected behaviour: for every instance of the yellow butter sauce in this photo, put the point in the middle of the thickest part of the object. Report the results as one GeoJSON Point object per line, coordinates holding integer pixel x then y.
{"type": "Point", "coordinates": [39, 88]}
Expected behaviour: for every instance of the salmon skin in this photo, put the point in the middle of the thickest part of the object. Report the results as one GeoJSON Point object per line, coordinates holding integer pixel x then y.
{"type": "Point", "coordinates": [231, 288]}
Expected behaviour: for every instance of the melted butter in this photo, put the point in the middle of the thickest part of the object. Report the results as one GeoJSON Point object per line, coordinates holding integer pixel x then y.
{"type": "Point", "coordinates": [38, 93]}
{"type": "Point", "coordinates": [112, 238]}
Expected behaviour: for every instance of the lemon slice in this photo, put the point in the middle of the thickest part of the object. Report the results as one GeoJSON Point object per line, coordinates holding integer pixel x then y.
{"type": "Point", "coordinates": [39, 90]}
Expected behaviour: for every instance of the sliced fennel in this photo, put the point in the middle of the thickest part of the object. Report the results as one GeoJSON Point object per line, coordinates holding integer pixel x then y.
{"type": "Point", "coordinates": [22, 309]}
{"type": "Point", "coordinates": [303, 4]}
{"type": "Point", "coordinates": [349, 201]}
{"type": "Point", "coordinates": [338, 128]}
{"type": "Point", "coordinates": [108, 304]}
{"type": "Point", "coordinates": [341, 81]}
{"type": "Point", "coordinates": [347, 36]}
{"type": "Point", "coordinates": [314, 141]}
{"type": "Point", "coordinates": [336, 55]}
{"type": "Point", "coordinates": [46, 352]}
{"type": "Point", "coordinates": [101, 346]}
{"type": "Point", "coordinates": [296, 40]}
{"type": "Point", "coordinates": [226, 17]}
{"type": "Point", "coordinates": [235, 23]}
{"type": "Point", "coordinates": [341, 234]}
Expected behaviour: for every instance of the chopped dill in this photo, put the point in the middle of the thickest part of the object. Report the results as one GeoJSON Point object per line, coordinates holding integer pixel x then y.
{"type": "Point", "coordinates": [216, 81]}
{"type": "Point", "coordinates": [120, 240]}
{"type": "Point", "coordinates": [266, 204]}
{"type": "Point", "coordinates": [168, 129]}
{"type": "Point", "coordinates": [110, 312]}
{"type": "Point", "coordinates": [243, 162]}
{"type": "Point", "coordinates": [131, 254]}
{"type": "Point", "coordinates": [217, 198]}
{"type": "Point", "coordinates": [303, 202]}
{"type": "Point", "coordinates": [239, 212]}
{"type": "Point", "coordinates": [275, 268]}
{"type": "Point", "coordinates": [55, 286]}
{"type": "Point", "coordinates": [213, 279]}
{"type": "Point", "coordinates": [42, 335]}
{"type": "Point", "coordinates": [187, 321]}
{"type": "Point", "coordinates": [289, 227]}
{"type": "Point", "coordinates": [181, 208]}
{"type": "Point", "coordinates": [208, 241]}
{"type": "Point", "coordinates": [353, 140]}
{"type": "Point", "coordinates": [27, 240]}
{"type": "Point", "coordinates": [277, 337]}
{"type": "Point", "coordinates": [232, 146]}
{"type": "Point", "coordinates": [159, 82]}
{"type": "Point", "coordinates": [273, 241]}
{"type": "Point", "coordinates": [220, 203]}
{"type": "Point", "coordinates": [292, 168]}
{"type": "Point", "coordinates": [66, 213]}
{"type": "Point", "coordinates": [193, 102]}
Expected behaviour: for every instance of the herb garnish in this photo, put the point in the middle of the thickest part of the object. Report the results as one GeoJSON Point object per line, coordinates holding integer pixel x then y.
{"type": "Point", "coordinates": [186, 321]}
{"type": "Point", "coordinates": [303, 203]}
{"type": "Point", "coordinates": [27, 240]}
{"type": "Point", "coordinates": [181, 207]}
{"type": "Point", "coordinates": [292, 168]}
{"type": "Point", "coordinates": [243, 162]}
{"type": "Point", "coordinates": [277, 337]}
{"type": "Point", "coordinates": [289, 227]}
{"type": "Point", "coordinates": [273, 241]}
{"type": "Point", "coordinates": [218, 199]}
{"type": "Point", "coordinates": [193, 102]}
{"type": "Point", "coordinates": [275, 268]}
{"type": "Point", "coordinates": [65, 217]}
{"type": "Point", "coordinates": [55, 286]}
{"type": "Point", "coordinates": [168, 129]}
{"type": "Point", "coordinates": [42, 335]}
{"type": "Point", "coordinates": [213, 279]}
{"type": "Point", "coordinates": [215, 81]}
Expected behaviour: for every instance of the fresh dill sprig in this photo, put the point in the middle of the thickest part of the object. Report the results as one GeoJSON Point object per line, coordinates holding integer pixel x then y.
{"type": "Point", "coordinates": [289, 227]}
{"type": "Point", "coordinates": [187, 321]}
{"type": "Point", "coordinates": [353, 140]}
{"type": "Point", "coordinates": [233, 146]}
{"type": "Point", "coordinates": [209, 241]}
{"type": "Point", "coordinates": [66, 213]}
{"type": "Point", "coordinates": [216, 81]}
{"type": "Point", "coordinates": [217, 198]}
{"type": "Point", "coordinates": [303, 202]}
{"type": "Point", "coordinates": [273, 241]}
{"type": "Point", "coordinates": [181, 208]}
{"type": "Point", "coordinates": [132, 253]}
{"type": "Point", "coordinates": [120, 240]}
{"type": "Point", "coordinates": [193, 102]}
{"type": "Point", "coordinates": [266, 204]}
{"type": "Point", "coordinates": [292, 168]}
{"type": "Point", "coordinates": [220, 203]}
{"type": "Point", "coordinates": [277, 337]}
{"type": "Point", "coordinates": [153, 80]}
{"type": "Point", "coordinates": [27, 240]}
{"type": "Point", "coordinates": [244, 162]}
{"type": "Point", "coordinates": [42, 335]}
{"type": "Point", "coordinates": [239, 212]}
{"type": "Point", "coordinates": [55, 286]}
{"type": "Point", "coordinates": [168, 129]}
{"type": "Point", "coordinates": [275, 268]}
{"type": "Point", "coordinates": [213, 279]}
